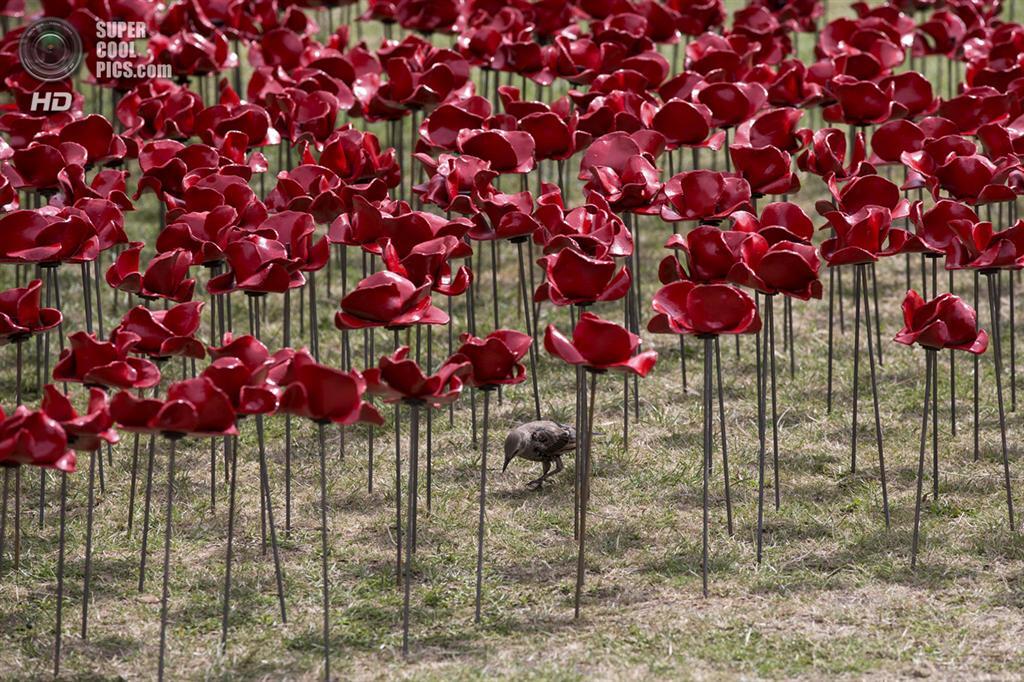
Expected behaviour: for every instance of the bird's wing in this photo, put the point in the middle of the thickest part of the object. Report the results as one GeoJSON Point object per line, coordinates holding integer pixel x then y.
{"type": "Point", "coordinates": [550, 439]}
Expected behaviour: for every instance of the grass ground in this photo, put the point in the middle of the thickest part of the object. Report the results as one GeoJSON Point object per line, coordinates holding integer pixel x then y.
{"type": "Point", "coordinates": [833, 597]}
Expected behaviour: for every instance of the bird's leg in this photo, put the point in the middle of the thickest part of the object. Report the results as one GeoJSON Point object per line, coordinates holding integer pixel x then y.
{"type": "Point", "coordinates": [558, 466]}
{"type": "Point", "coordinates": [537, 483]}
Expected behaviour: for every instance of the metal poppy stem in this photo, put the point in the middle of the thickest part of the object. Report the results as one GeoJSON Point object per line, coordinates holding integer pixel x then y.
{"type": "Point", "coordinates": [414, 436]}
{"type": "Point", "coordinates": [531, 327]}
{"type": "Point", "coordinates": [398, 492]}
{"type": "Point", "coordinates": [167, 556]}
{"type": "Point", "coordinates": [323, 551]}
{"type": "Point", "coordinates": [831, 317]}
{"type": "Point", "coordinates": [286, 341]}
{"type": "Point", "coordinates": [17, 473]}
{"type": "Point", "coordinates": [87, 577]}
{"type": "Point", "coordinates": [584, 493]}
{"type": "Point", "coordinates": [233, 457]}
{"type": "Point", "coordinates": [708, 409]}
{"type": "Point", "coordinates": [993, 306]}
{"type": "Point", "coordinates": [1010, 276]}
{"type": "Point", "coordinates": [770, 324]}
{"type": "Point", "coordinates": [929, 363]}
{"type": "Point", "coordinates": [762, 381]}
{"type": "Point", "coordinates": [58, 631]}
{"type": "Point", "coordinates": [874, 395]}
{"type": "Point", "coordinates": [430, 420]}
{"type": "Point", "coordinates": [977, 373]}
{"type": "Point", "coordinates": [494, 281]}
{"type": "Point", "coordinates": [952, 374]}
{"type": "Point", "coordinates": [145, 513]}
{"type": "Point", "coordinates": [725, 447]}
{"type": "Point", "coordinates": [483, 502]}
{"type": "Point", "coordinates": [265, 498]}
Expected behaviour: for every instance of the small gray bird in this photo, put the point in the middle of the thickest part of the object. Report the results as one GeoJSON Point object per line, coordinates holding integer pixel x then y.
{"type": "Point", "coordinates": [540, 441]}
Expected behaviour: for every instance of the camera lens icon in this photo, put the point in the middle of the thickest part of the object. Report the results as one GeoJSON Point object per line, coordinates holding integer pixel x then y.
{"type": "Point", "coordinates": [50, 49]}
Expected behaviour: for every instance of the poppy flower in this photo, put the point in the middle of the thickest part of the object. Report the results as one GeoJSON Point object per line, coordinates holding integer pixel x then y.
{"type": "Point", "coordinates": [165, 333]}
{"type": "Point", "coordinates": [204, 234]}
{"type": "Point", "coordinates": [356, 158]}
{"type": "Point", "coordinates": [399, 378]}
{"type": "Point", "coordinates": [767, 170]}
{"type": "Point", "coordinates": [861, 103]}
{"type": "Point", "coordinates": [158, 108]}
{"type": "Point", "coordinates": [573, 278]}
{"type": "Point", "coordinates": [430, 261]}
{"type": "Point", "coordinates": [387, 299]}
{"type": "Point", "coordinates": [731, 103]}
{"type": "Point", "coordinates": [495, 358]}
{"type": "Point", "coordinates": [506, 151]}
{"type": "Point", "coordinates": [600, 345]}
{"type": "Point", "coordinates": [441, 128]}
{"type": "Point", "coordinates": [779, 221]}
{"type": "Point", "coordinates": [685, 307]}
{"type": "Point", "coordinates": [85, 432]}
{"type": "Point", "coordinates": [296, 231]}
{"type": "Point", "coordinates": [193, 407]}
{"type": "Point", "coordinates": [455, 182]}
{"type": "Point", "coordinates": [589, 228]}
{"type": "Point", "coordinates": [694, 17]}
{"type": "Point", "coordinates": [242, 369]}
{"type": "Point", "coordinates": [105, 363]}
{"type": "Point", "coordinates": [975, 179]}
{"type": "Point", "coordinates": [95, 134]}
{"type": "Point", "coordinates": [711, 253]}
{"type": "Point", "coordinates": [774, 128]}
{"type": "Point", "coordinates": [166, 275]}
{"type": "Point", "coordinates": [48, 236]}
{"type": "Point", "coordinates": [943, 322]}
{"type": "Point", "coordinates": [21, 316]}
{"type": "Point", "coordinates": [829, 154]}
{"type": "Point", "coordinates": [318, 191]}
{"type": "Point", "coordinates": [859, 238]}
{"type": "Point", "coordinates": [975, 107]}
{"type": "Point", "coordinates": [324, 394]}
{"type": "Point", "coordinates": [934, 227]}
{"type": "Point", "coordinates": [704, 195]}
{"type": "Point", "coordinates": [190, 53]}
{"type": "Point", "coordinates": [257, 265]}
{"type": "Point", "coordinates": [683, 123]}
{"type": "Point", "coordinates": [913, 92]}
{"type": "Point", "coordinates": [791, 86]}
{"type": "Point", "coordinates": [38, 165]}
{"type": "Point", "coordinates": [230, 115]}
{"type": "Point", "coordinates": [782, 268]}
{"type": "Point", "coordinates": [977, 246]}
{"type": "Point", "coordinates": [504, 216]}
{"type": "Point", "coordinates": [30, 437]}
{"type": "Point", "coordinates": [891, 139]}
{"type": "Point", "coordinates": [867, 190]}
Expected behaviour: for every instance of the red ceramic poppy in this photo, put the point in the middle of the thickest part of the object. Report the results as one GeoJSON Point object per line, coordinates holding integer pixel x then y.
{"type": "Point", "coordinates": [21, 316]}
{"type": "Point", "coordinates": [230, 115]}
{"type": "Point", "coordinates": [600, 345]}
{"type": "Point", "coordinates": [864, 191]}
{"type": "Point", "coordinates": [590, 228]}
{"type": "Point", "coordinates": [704, 195]}
{"type": "Point", "coordinates": [791, 86]}
{"type": "Point", "coordinates": [166, 276]}
{"type": "Point", "coordinates": [861, 103]}
{"type": "Point", "coordinates": [780, 221]}
{"type": "Point", "coordinates": [165, 333]}
{"type": "Point", "coordinates": [943, 322]}
{"type": "Point", "coordinates": [731, 103]}
{"type": "Point", "coordinates": [978, 246]}
{"type": "Point", "coordinates": [711, 253]}
{"type": "Point", "coordinates": [387, 299]}
{"type": "Point", "coordinates": [257, 265]}
{"type": "Point", "coordinates": [829, 154]}
{"type": "Point", "coordinates": [774, 128]}
{"type": "Point", "coordinates": [399, 378]}
{"type": "Point", "coordinates": [683, 123]}
{"type": "Point", "coordinates": [356, 158]}
{"type": "Point", "coordinates": [242, 369]}
{"type": "Point", "coordinates": [193, 407]}
{"type": "Point", "coordinates": [203, 234]}
{"type": "Point", "coordinates": [455, 182]}
{"type": "Point", "coordinates": [767, 170]}
{"type": "Point", "coordinates": [158, 108]}
{"type": "Point", "coordinates": [934, 227]}
{"type": "Point", "coordinates": [684, 307]}
{"type": "Point", "coordinates": [85, 432]}
{"type": "Point", "coordinates": [296, 231]}
{"type": "Point", "coordinates": [504, 216]}
{"type": "Point", "coordinates": [694, 17]}
{"type": "Point", "coordinates": [890, 140]}
{"type": "Point", "coordinates": [495, 359]}
{"type": "Point", "coordinates": [506, 151]}
{"type": "Point", "coordinates": [430, 261]}
{"type": "Point", "coordinates": [31, 438]}
{"type": "Point", "coordinates": [975, 107]}
{"type": "Point", "coordinates": [441, 128]}
{"type": "Point", "coordinates": [324, 394]}
{"type": "Point", "coordinates": [318, 191]}
{"type": "Point", "coordinates": [166, 163]}
{"type": "Point", "coordinates": [190, 53]}
{"type": "Point", "coordinates": [785, 268]}
{"type": "Point", "coordinates": [105, 363]}
{"type": "Point", "coordinates": [574, 278]}
{"type": "Point", "coordinates": [95, 134]}
{"type": "Point", "coordinates": [38, 165]}
{"type": "Point", "coordinates": [858, 238]}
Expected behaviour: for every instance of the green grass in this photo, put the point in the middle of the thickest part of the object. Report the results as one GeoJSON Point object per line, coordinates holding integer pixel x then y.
{"type": "Point", "coordinates": [833, 597]}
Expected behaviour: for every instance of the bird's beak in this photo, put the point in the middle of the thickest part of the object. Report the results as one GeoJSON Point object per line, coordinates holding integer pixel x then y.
{"type": "Point", "coordinates": [508, 458]}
